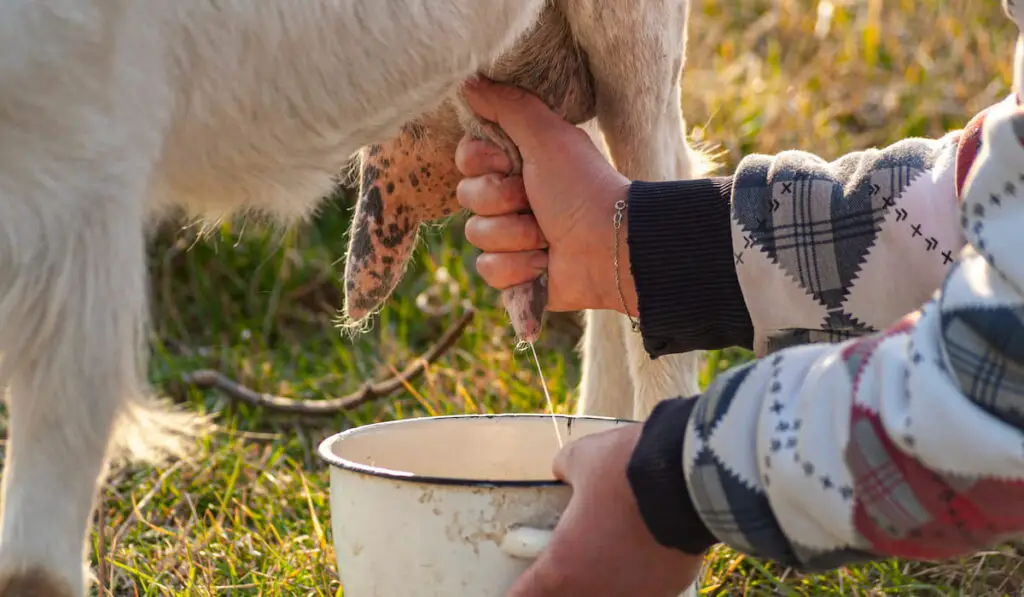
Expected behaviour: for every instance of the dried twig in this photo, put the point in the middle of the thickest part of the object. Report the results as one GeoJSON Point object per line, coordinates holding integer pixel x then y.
{"type": "Point", "coordinates": [101, 549]}
{"type": "Point", "coordinates": [207, 378]}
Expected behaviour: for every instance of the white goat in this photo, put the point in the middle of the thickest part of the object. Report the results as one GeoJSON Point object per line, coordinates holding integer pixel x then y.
{"type": "Point", "coordinates": [114, 113]}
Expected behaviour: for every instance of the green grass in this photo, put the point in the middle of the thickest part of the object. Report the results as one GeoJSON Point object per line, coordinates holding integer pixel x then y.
{"type": "Point", "coordinates": [251, 517]}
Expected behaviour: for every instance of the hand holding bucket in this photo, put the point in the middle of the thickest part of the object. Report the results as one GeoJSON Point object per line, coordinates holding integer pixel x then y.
{"type": "Point", "coordinates": [446, 506]}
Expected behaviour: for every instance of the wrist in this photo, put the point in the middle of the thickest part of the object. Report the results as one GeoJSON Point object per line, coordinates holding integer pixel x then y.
{"type": "Point", "coordinates": [614, 267]}
{"type": "Point", "coordinates": [681, 261]}
{"type": "Point", "coordinates": [656, 477]}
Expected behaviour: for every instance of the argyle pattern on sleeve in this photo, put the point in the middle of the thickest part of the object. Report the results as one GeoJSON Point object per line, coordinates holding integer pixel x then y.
{"type": "Point", "coordinates": [823, 239]}
{"type": "Point", "coordinates": [903, 442]}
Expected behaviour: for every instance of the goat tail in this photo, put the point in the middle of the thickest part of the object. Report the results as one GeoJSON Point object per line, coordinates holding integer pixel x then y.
{"type": "Point", "coordinates": [153, 430]}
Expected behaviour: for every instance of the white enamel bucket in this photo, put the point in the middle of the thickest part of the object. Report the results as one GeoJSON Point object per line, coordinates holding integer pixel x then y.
{"type": "Point", "coordinates": [446, 506]}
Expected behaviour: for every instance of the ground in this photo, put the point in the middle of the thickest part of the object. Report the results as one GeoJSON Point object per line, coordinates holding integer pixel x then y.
{"type": "Point", "coordinates": [252, 519]}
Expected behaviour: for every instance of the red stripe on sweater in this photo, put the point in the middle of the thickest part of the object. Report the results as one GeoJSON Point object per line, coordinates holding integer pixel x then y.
{"type": "Point", "coordinates": [904, 509]}
{"type": "Point", "coordinates": [967, 150]}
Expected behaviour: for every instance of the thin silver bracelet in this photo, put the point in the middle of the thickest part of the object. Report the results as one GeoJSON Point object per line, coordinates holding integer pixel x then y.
{"type": "Point", "coordinates": [620, 206]}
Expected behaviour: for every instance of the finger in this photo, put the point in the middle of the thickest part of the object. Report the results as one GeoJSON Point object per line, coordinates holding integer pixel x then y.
{"type": "Point", "coordinates": [562, 465]}
{"type": "Point", "coordinates": [504, 234]}
{"type": "Point", "coordinates": [567, 564]}
{"type": "Point", "coordinates": [573, 459]}
{"type": "Point", "coordinates": [505, 270]}
{"type": "Point", "coordinates": [538, 580]}
{"type": "Point", "coordinates": [522, 115]}
{"type": "Point", "coordinates": [476, 157]}
{"type": "Point", "coordinates": [547, 576]}
{"type": "Point", "coordinates": [492, 195]}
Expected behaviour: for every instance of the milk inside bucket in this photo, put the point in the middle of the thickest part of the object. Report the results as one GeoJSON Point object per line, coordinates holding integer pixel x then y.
{"type": "Point", "coordinates": [447, 506]}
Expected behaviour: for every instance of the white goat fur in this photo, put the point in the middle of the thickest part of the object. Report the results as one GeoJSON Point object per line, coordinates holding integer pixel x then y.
{"type": "Point", "coordinates": [114, 113]}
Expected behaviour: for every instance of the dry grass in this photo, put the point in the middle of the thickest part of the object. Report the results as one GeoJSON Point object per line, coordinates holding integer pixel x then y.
{"type": "Point", "coordinates": [763, 77]}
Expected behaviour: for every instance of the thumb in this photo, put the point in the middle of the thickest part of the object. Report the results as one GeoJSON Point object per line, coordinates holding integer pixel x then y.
{"type": "Point", "coordinates": [537, 581]}
{"type": "Point", "coordinates": [522, 115]}
{"type": "Point", "coordinates": [562, 467]}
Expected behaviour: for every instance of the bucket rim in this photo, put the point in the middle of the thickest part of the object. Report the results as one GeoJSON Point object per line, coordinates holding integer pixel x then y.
{"type": "Point", "coordinates": [326, 454]}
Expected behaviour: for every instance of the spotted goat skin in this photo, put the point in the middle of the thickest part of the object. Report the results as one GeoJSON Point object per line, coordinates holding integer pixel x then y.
{"type": "Point", "coordinates": [411, 179]}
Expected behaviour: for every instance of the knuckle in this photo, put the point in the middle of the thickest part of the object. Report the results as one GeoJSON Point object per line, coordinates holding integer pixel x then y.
{"type": "Point", "coordinates": [536, 235]}
{"type": "Point", "coordinates": [493, 191]}
{"type": "Point", "coordinates": [475, 156]}
{"type": "Point", "coordinates": [480, 155]}
{"type": "Point", "coordinates": [510, 190]}
{"type": "Point", "coordinates": [497, 160]}
{"type": "Point", "coordinates": [571, 141]}
{"type": "Point", "coordinates": [510, 92]}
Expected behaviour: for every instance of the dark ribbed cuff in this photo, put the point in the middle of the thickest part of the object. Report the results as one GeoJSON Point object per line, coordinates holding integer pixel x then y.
{"type": "Point", "coordinates": [656, 475]}
{"type": "Point", "coordinates": [680, 250]}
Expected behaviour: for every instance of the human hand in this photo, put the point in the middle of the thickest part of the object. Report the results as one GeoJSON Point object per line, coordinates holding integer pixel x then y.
{"type": "Point", "coordinates": [571, 189]}
{"type": "Point", "coordinates": [601, 545]}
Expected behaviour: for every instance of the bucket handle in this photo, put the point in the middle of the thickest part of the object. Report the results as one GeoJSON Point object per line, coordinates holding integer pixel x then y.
{"type": "Point", "coordinates": [525, 542]}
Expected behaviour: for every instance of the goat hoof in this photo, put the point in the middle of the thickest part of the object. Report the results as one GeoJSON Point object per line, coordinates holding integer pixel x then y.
{"type": "Point", "coordinates": [34, 582]}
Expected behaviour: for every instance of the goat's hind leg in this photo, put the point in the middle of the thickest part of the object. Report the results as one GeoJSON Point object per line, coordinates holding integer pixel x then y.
{"type": "Point", "coordinates": [636, 55]}
{"type": "Point", "coordinates": [606, 389]}
{"type": "Point", "coordinates": [636, 67]}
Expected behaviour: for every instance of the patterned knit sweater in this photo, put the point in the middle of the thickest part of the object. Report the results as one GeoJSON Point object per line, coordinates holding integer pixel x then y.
{"type": "Point", "coordinates": [884, 295]}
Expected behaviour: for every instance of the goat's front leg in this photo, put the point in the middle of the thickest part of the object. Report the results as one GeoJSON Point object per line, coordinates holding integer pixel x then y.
{"type": "Point", "coordinates": [636, 54]}
{"type": "Point", "coordinates": [606, 389]}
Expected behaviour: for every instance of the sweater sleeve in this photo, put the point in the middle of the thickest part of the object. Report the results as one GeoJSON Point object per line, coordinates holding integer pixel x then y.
{"type": "Point", "coordinates": [826, 251]}
{"type": "Point", "coordinates": [680, 252]}
{"type": "Point", "coordinates": [904, 443]}
{"type": "Point", "coordinates": [793, 249]}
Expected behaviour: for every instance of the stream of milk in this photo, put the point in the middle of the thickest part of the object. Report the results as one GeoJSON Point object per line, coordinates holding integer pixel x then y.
{"type": "Point", "coordinates": [547, 394]}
